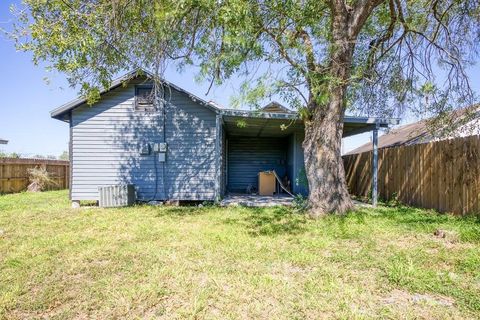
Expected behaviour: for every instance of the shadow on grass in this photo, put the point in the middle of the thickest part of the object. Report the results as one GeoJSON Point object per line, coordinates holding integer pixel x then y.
{"type": "Point", "coordinates": [422, 220]}
{"type": "Point", "coordinates": [411, 215]}
{"type": "Point", "coordinates": [270, 221]}
{"type": "Point", "coordinates": [274, 221]}
{"type": "Point", "coordinates": [258, 221]}
{"type": "Point", "coordinates": [88, 203]}
{"type": "Point", "coordinates": [182, 211]}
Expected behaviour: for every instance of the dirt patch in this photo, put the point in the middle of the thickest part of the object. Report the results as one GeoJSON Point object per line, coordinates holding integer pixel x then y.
{"type": "Point", "coordinates": [449, 238]}
{"type": "Point", "coordinates": [403, 298]}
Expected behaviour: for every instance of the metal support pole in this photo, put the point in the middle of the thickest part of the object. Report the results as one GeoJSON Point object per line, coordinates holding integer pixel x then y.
{"type": "Point", "coordinates": [375, 167]}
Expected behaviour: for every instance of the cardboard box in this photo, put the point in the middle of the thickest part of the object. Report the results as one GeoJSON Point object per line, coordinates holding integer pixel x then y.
{"type": "Point", "coordinates": [266, 183]}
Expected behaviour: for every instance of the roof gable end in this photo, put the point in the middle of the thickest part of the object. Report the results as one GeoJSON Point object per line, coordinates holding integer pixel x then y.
{"type": "Point", "coordinates": [61, 113]}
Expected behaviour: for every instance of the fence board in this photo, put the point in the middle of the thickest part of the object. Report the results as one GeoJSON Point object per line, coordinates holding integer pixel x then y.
{"type": "Point", "coordinates": [442, 175]}
{"type": "Point", "coordinates": [14, 173]}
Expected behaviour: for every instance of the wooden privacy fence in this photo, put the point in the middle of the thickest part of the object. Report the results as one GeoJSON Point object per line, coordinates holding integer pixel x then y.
{"type": "Point", "coordinates": [14, 173]}
{"type": "Point", "coordinates": [442, 175]}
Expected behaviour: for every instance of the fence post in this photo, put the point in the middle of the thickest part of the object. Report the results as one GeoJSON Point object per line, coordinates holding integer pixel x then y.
{"type": "Point", "coordinates": [375, 166]}
{"type": "Point", "coordinates": [65, 176]}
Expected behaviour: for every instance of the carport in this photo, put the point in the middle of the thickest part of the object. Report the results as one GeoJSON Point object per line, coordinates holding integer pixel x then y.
{"type": "Point", "coordinates": [253, 141]}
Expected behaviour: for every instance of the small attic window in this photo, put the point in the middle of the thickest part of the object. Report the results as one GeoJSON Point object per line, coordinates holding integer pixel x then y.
{"type": "Point", "coordinates": [144, 98]}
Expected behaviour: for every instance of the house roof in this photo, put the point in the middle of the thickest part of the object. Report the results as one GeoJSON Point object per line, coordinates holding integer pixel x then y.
{"type": "Point", "coordinates": [273, 110]}
{"type": "Point", "coordinates": [3, 141]}
{"type": "Point", "coordinates": [276, 107]}
{"type": "Point", "coordinates": [400, 136]}
{"type": "Point", "coordinates": [413, 133]}
{"type": "Point", "coordinates": [61, 112]}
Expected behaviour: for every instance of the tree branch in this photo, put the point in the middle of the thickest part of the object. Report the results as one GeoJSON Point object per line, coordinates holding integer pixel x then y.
{"type": "Point", "coordinates": [309, 53]}
{"type": "Point", "coordinates": [284, 53]}
{"type": "Point", "coordinates": [378, 42]}
{"type": "Point", "coordinates": [360, 13]}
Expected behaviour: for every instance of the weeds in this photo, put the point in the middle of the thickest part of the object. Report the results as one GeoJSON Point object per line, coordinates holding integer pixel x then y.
{"type": "Point", "coordinates": [40, 179]}
{"type": "Point", "coordinates": [300, 203]}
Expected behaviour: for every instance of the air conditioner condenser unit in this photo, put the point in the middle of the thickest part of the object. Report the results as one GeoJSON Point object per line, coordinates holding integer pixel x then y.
{"type": "Point", "coordinates": [116, 196]}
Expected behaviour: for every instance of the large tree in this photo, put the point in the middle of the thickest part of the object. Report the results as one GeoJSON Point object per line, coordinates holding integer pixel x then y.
{"type": "Point", "coordinates": [374, 57]}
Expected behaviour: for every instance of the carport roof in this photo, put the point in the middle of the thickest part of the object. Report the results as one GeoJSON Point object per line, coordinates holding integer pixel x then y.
{"type": "Point", "coordinates": [268, 124]}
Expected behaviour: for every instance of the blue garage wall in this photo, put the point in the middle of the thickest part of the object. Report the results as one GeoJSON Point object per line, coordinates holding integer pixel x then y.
{"type": "Point", "coordinates": [248, 156]}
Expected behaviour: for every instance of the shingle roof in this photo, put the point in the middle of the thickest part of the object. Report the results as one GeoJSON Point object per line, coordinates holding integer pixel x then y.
{"type": "Point", "coordinates": [402, 135]}
{"type": "Point", "coordinates": [413, 133]}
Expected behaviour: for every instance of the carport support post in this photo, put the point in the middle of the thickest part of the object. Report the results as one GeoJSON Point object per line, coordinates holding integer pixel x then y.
{"type": "Point", "coordinates": [375, 167]}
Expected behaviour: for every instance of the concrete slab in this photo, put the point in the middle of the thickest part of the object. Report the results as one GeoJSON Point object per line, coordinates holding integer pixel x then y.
{"type": "Point", "coordinates": [362, 204]}
{"type": "Point", "coordinates": [254, 200]}
{"type": "Point", "coordinates": [251, 200]}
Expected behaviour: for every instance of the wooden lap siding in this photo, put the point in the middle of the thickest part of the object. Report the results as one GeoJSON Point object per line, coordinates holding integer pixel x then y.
{"type": "Point", "coordinates": [191, 149]}
{"type": "Point", "coordinates": [106, 140]}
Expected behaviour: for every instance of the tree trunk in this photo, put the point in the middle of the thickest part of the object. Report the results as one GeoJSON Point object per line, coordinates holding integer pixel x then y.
{"type": "Point", "coordinates": [324, 128]}
{"type": "Point", "coordinates": [323, 161]}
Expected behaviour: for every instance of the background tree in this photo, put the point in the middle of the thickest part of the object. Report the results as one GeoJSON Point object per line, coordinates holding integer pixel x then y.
{"type": "Point", "coordinates": [42, 156]}
{"type": "Point", "coordinates": [9, 155]}
{"type": "Point", "coordinates": [374, 57]}
{"type": "Point", "coordinates": [64, 156]}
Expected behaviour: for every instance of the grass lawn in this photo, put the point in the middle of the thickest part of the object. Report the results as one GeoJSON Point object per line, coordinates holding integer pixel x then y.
{"type": "Point", "coordinates": [230, 263]}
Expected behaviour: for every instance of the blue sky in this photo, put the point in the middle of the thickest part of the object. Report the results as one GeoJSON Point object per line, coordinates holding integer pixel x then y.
{"type": "Point", "coordinates": [27, 100]}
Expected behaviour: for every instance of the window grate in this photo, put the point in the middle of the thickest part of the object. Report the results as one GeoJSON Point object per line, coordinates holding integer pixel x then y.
{"type": "Point", "coordinates": [144, 99]}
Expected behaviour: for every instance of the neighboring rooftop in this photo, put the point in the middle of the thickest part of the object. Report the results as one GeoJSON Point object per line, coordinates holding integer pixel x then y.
{"type": "Point", "coordinates": [413, 133]}
{"type": "Point", "coordinates": [3, 141]}
{"type": "Point", "coordinates": [403, 135]}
